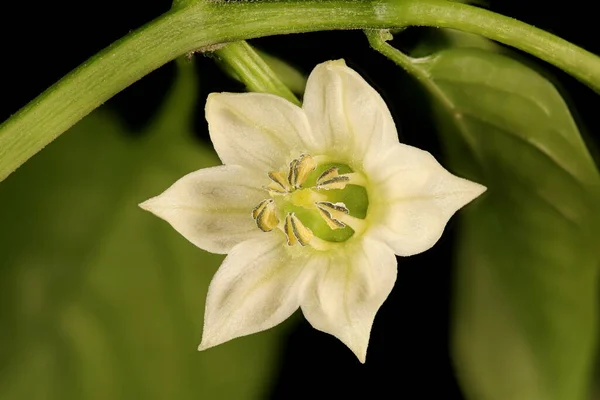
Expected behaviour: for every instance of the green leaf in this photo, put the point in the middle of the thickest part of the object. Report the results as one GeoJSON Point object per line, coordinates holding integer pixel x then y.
{"type": "Point", "coordinates": [525, 312]}
{"type": "Point", "coordinates": [474, 2]}
{"type": "Point", "coordinates": [182, 3]}
{"type": "Point", "coordinates": [100, 299]}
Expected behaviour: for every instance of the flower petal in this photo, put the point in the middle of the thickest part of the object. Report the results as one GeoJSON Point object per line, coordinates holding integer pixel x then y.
{"type": "Point", "coordinates": [256, 288]}
{"type": "Point", "coordinates": [212, 207]}
{"type": "Point", "coordinates": [346, 291]}
{"type": "Point", "coordinates": [256, 130]}
{"type": "Point", "coordinates": [413, 197]}
{"type": "Point", "coordinates": [346, 113]}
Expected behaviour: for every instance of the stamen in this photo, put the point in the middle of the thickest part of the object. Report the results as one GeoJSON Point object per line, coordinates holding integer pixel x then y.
{"type": "Point", "coordinates": [289, 232]}
{"type": "Point", "coordinates": [280, 184]}
{"type": "Point", "coordinates": [333, 207]}
{"type": "Point", "coordinates": [306, 164]}
{"type": "Point", "coordinates": [291, 191]}
{"type": "Point", "coordinates": [358, 225]}
{"type": "Point", "coordinates": [295, 231]}
{"type": "Point", "coordinates": [328, 174]}
{"type": "Point", "coordinates": [265, 215]}
{"type": "Point", "coordinates": [299, 170]}
{"type": "Point", "coordinates": [356, 178]}
{"type": "Point", "coordinates": [302, 233]}
{"type": "Point", "coordinates": [331, 179]}
{"type": "Point", "coordinates": [333, 213]}
{"type": "Point", "coordinates": [292, 172]}
{"type": "Point", "coordinates": [331, 222]}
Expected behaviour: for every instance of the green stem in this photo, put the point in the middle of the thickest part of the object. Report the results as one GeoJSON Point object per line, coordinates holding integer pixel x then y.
{"type": "Point", "coordinates": [378, 41]}
{"type": "Point", "coordinates": [196, 26]}
{"type": "Point", "coordinates": [253, 71]}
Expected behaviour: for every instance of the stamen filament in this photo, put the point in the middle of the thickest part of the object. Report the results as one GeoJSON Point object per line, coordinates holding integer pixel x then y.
{"type": "Point", "coordinates": [356, 178]}
{"type": "Point", "coordinates": [358, 225]}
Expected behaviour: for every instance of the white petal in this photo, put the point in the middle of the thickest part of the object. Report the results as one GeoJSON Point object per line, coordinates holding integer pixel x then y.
{"type": "Point", "coordinates": [346, 291]}
{"type": "Point", "coordinates": [413, 197]}
{"type": "Point", "coordinates": [212, 207]}
{"type": "Point", "coordinates": [346, 113]}
{"type": "Point", "coordinates": [256, 130]}
{"type": "Point", "coordinates": [256, 288]}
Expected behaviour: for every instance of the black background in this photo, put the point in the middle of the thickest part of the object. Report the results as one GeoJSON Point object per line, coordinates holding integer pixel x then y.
{"type": "Point", "coordinates": [408, 356]}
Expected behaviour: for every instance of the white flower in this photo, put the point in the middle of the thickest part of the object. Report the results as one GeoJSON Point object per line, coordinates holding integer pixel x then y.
{"type": "Point", "coordinates": [311, 207]}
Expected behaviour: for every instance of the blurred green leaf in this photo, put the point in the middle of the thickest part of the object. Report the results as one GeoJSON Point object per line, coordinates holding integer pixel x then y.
{"type": "Point", "coordinates": [179, 3]}
{"type": "Point", "coordinates": [525, 312]}
{"type": "Point", "coordinates": [473, 2]}
{"type": "Point", "coordinates": [99, 299]}
{"type": "Point", "coordinates": [437, 40]}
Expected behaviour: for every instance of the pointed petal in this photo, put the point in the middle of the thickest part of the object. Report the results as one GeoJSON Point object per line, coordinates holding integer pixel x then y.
{"type": "Point", "coordinates": [413, 197]}
{"type": "Point", "coordinates": [256, 288]}
{"type": "Point", "coordinates": [212, 207]}
{"type": "Point", "coordinates": [346, 113]}
{"type": "Point", "coordinates": [346, 291]}
{"type": "Point", "coordinates": [256, 130]}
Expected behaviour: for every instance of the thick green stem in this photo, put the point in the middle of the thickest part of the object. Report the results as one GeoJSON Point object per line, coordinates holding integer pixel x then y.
{"type": "Point", "coordinates": [253, 71]}
{"type": "Point", "coordinates": [193, 27]}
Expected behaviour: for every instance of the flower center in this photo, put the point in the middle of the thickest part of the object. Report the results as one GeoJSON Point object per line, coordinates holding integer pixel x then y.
{"type": "Point", "coordinates": [314, 204]}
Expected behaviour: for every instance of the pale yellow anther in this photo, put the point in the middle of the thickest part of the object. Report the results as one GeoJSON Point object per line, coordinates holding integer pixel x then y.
{"type": "Point", "coordinates": [331, 179]}
{"type": "Point", "coordinates": [292, 172]}
{"type": "Point", "coordinates": [339, 212]}
{"type": "Point", "coordinates": [279, 183]}
{"type": "Point", "coordinates": [328, 174]}
{"type": "Point", "coordinates": [331, 222]}
{"type": "Point", "coordinates": [332, 213]}
{"type": "Point", "coordinates": [298, 172]}
{"type": "Point", "coordinates": [295, 231]}
{"type": "Point", "coordinates": [301, 168]}
{"type": "Point", "coordinates": [265, 215]}
{"type": "Point", "coordinates": [333, 207]}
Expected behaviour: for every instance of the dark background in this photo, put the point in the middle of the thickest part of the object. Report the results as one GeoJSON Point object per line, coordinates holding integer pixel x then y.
{"type": "Point", "coordinates": [408, 354]}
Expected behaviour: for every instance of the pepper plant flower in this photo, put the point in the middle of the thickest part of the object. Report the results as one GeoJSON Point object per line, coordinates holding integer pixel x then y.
{"type": "Point", "coordinates": [311, 206]}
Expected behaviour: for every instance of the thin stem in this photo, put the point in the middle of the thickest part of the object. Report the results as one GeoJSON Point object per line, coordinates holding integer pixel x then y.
{"type": "Point", "coordinates": [253, 71]}
{"type": "Point", "coordinates": [378, 41]}
{"type": "Point", "coordinates": [194, 26]}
